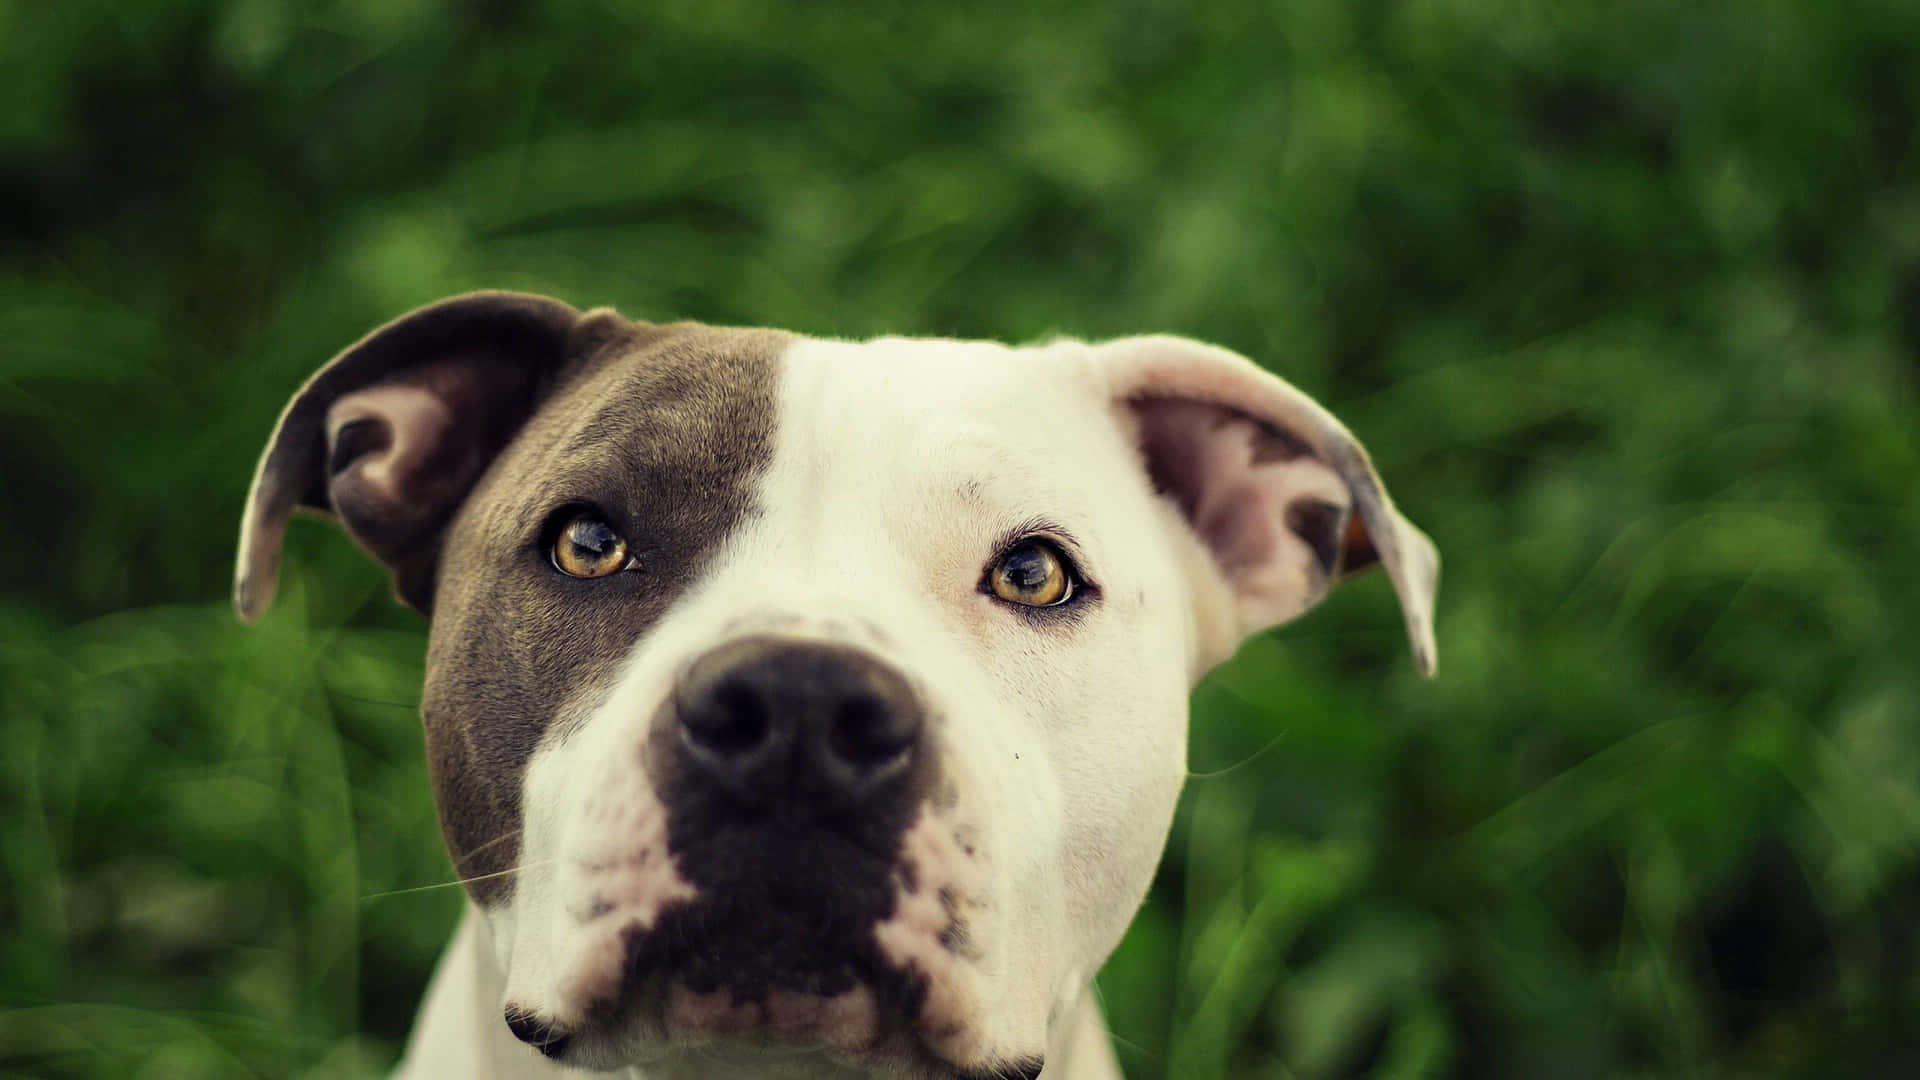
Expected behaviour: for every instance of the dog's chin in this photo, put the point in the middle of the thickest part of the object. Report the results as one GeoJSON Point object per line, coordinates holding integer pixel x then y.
{"type": "Point", "coordinates": [770, 963]}
{"type": "Point", "coordinates": [774, 935]}
{"type": "Point", "coordinates": [850, 1022]}
{"type": "Point", "coordinates": [803, 1034]}
{"type": "Point", "coordinates": [787, 988]}
{"type": "Point", "coordinates": [784, 1032]}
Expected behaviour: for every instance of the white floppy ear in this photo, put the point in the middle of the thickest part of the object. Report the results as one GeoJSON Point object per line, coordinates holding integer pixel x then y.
{"type": "Point", "coordinates": [1279, 491]}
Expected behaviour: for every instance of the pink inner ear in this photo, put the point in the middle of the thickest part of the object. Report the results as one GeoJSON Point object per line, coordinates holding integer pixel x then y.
{"type": "Point", "coordinates": [399, 454]}
{"type": "Point", "coordinates": [415, 421]}
{"type": "Point", "coordinates": [1238, 527]}
{"type": "Point", "coordinates": [1236, 479]}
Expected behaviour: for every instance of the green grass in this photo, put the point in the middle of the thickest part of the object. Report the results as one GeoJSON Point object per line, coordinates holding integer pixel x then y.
{"type": "Point", "coordinates": [1624, 298]}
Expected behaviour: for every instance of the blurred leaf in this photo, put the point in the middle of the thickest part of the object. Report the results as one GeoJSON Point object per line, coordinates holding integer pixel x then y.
{"type": "Point", "coordinates": [1624, 299]}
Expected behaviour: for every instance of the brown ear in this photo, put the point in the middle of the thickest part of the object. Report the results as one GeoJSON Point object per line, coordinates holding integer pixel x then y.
{"type": "Point", "coordinates": [1280, 492]}
{"type": "Point", "coordinates": [390, 435]}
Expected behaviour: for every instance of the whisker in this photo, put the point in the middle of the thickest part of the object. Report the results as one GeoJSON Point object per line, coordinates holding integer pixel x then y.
{"type": "Point", "coordinates": [1100, 999]}
{"type": "Point", "coordinates": [1244, 762]}
{"type": "Point", "coordinates": [511, 834]}
{"type": "Point", "coordinates": [457, 882]}
{"type": "Point", "coordinates": [410, 706]}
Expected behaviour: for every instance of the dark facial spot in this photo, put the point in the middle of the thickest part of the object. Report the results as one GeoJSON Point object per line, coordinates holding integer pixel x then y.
{"type": "Point", "coordinates": [668, 434]}
{"type": "Point", "coordinates": [1319, 523]}
{"type": "Point", "coordinates": [966, 837]}
{"type": "Point", "coordinates": [954, 937]}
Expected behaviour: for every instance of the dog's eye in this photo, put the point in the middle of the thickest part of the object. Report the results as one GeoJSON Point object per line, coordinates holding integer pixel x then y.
{"type": "Point", "coordinates": [1032, 573]}
{"type": "Point", "coordinates": [588, 547]}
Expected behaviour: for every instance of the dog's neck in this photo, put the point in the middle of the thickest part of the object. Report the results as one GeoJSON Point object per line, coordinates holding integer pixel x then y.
{"type": "Point", "coordinates": [460, 1033]}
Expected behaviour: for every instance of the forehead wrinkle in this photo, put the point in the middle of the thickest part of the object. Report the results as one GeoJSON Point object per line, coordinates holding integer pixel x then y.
{"type": "Point", "coordinates": [678, 381]}
{"type": "Point", "coordinates": [643, 394]}
{"type": "Point", "coordinates": [648, 426]}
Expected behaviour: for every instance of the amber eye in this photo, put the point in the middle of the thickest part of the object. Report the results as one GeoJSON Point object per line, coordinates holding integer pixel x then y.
{"type": "Point", "coordinates": [587, 547]}
{"type": "Point", "coordinates": [1032, 573]}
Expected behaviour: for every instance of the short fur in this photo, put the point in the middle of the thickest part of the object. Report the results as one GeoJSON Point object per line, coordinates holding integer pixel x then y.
{"type": "Point", "coordinates": [625, 915]}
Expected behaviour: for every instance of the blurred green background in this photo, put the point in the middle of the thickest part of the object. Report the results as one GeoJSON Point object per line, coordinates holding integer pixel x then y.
{"type": "Point", "coordinates": [1624, 297]}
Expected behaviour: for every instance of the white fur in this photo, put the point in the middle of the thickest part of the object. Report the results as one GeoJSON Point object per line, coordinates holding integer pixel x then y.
{"type": "Point", "coordinates": [899, 464]}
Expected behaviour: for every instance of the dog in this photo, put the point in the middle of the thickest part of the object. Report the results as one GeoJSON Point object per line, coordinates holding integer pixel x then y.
{"type": "Point", "coordinates": [800, 707]}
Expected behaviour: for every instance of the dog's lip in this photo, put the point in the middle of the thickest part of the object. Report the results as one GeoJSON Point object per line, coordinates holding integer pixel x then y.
{"type": "Point", "coordinates": [682, 1012]}
{"type": "Point", "coordinates": [852, 952]}
{"type": "Point", "coordinates": [668, 1019]}
{"type": "Point", "coordinates": [878, 1021]}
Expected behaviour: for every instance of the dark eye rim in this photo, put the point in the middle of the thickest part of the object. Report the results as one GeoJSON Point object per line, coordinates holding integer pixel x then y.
{"type": "Point", "coordinates": [563, 517]}
{"type": "Point", "coordinates": [1080, 589]}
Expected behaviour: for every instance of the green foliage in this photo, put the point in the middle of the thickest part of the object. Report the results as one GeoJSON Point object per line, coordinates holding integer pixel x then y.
{"type": "Point", "coordinates": [1625, 299]}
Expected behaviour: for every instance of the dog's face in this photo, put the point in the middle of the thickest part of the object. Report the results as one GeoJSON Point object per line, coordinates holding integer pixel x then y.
{"type": "Point", "coordinates": [815, 692]}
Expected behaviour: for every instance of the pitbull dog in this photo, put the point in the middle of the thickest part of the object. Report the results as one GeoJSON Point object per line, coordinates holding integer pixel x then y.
{"type": "Point", "coordinates": [808, 708]}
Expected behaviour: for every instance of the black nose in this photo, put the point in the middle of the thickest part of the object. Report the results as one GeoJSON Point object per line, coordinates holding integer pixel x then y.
{"type": "Point", "coordinates": [767, 718]}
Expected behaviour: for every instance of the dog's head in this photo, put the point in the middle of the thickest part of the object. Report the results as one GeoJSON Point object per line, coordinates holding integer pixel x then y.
{"type": "Point", "coordinates": [807, 691]}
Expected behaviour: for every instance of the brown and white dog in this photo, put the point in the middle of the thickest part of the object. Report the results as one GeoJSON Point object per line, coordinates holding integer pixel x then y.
{"type": "Point", "coordinates": [809, 708]}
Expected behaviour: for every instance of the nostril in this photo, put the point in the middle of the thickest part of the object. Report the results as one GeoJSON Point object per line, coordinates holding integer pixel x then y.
{"type": "Point", "coordinates": [869, 733]}
{"type": "Point", "coordinates": [760, 721]}
{"type": "Point", "coordinates": [732, 722]}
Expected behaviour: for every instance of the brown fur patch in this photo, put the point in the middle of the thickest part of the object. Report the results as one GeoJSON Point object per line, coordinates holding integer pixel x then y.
{"type": "Point", "coordinates": [666, 434]}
